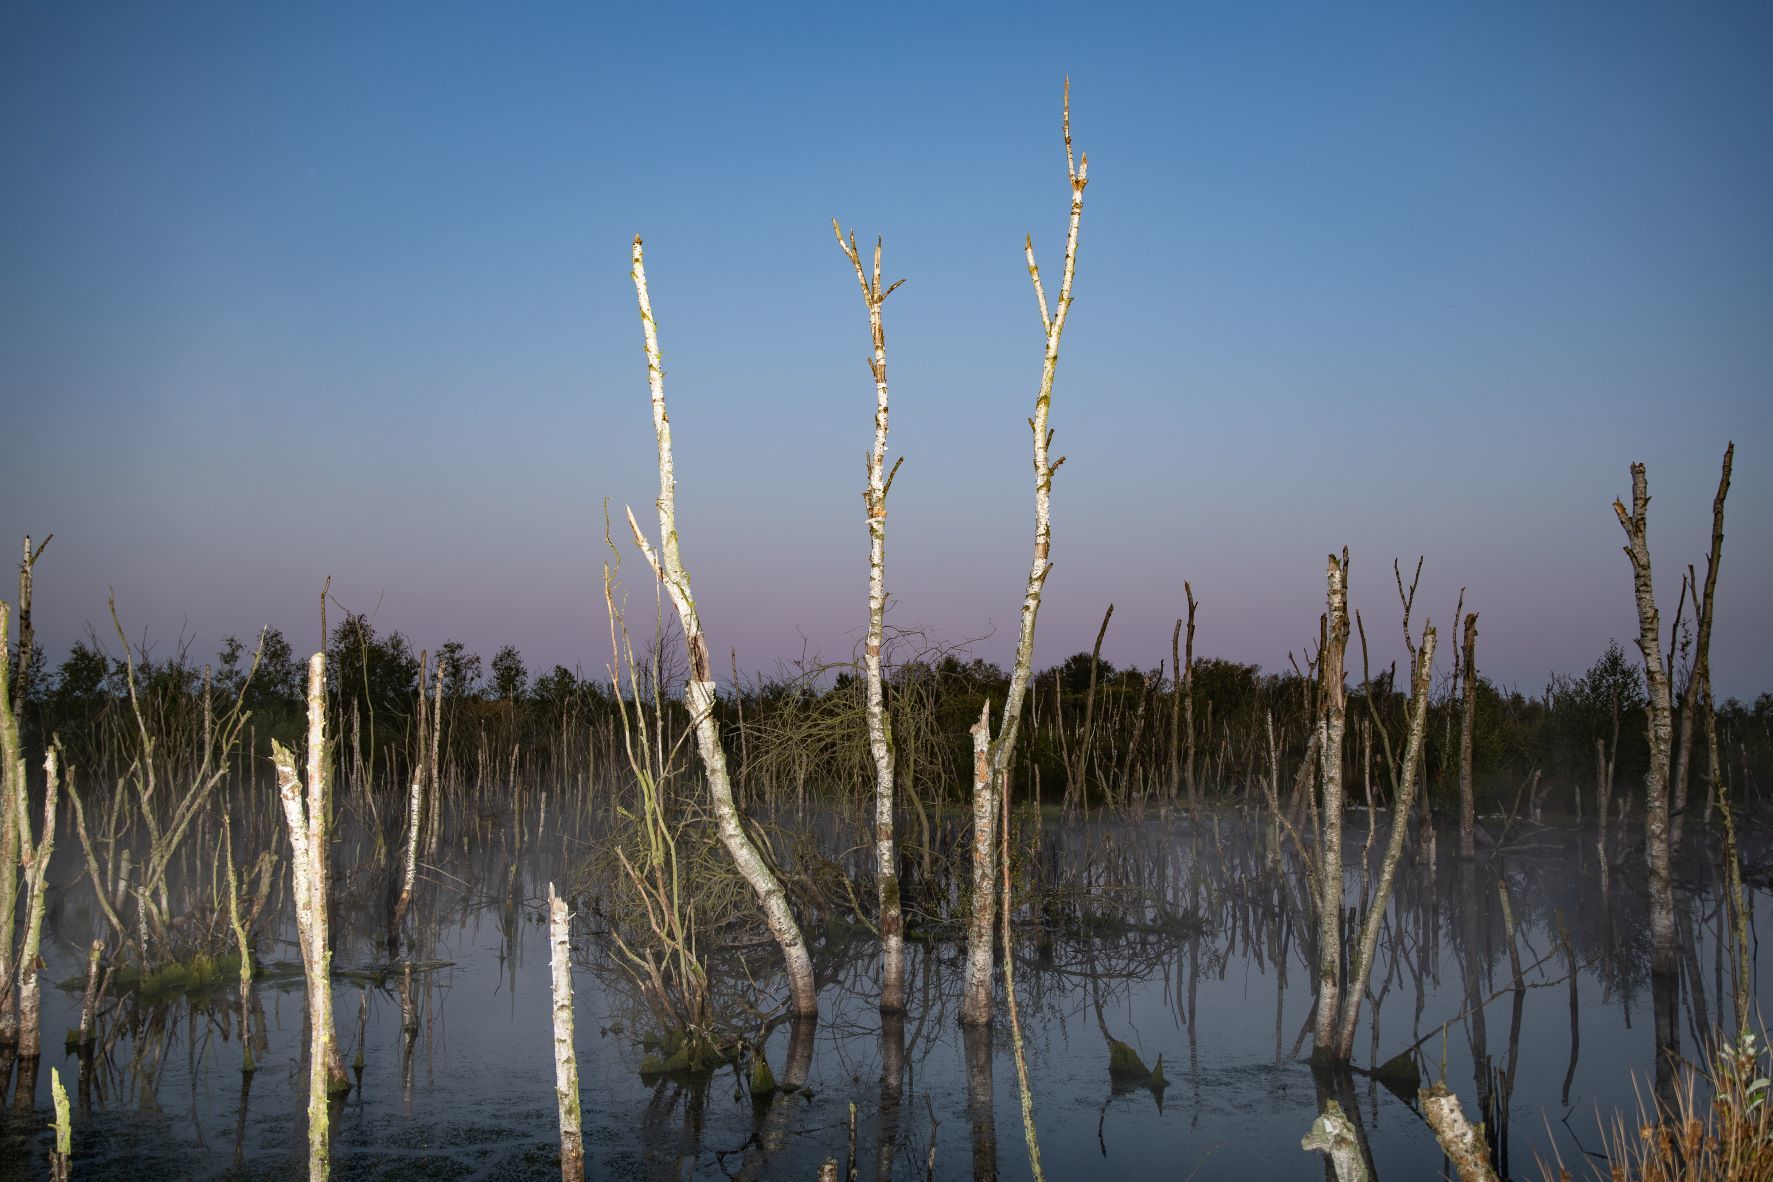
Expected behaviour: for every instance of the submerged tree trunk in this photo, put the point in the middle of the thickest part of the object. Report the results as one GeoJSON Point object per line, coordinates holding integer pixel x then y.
{"type": "Point", "coordinates": [699, 696]}
{"type": "Point", "coordinates": [880, 732]}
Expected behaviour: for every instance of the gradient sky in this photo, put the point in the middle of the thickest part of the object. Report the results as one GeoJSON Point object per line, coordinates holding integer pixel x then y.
{"type": "Point", "coordinates": [300, 290]}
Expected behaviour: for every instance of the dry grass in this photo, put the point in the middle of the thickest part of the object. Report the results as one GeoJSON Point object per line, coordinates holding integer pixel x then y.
{"type": "Point", "coordinates": [1729, 1139]}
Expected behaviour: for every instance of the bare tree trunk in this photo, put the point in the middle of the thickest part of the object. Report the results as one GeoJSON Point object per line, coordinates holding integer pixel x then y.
{"type": "Point", "coordinates": [12, 798]}
{"type": "Point", "coordinates": [976, 1000]}
{"type": "Point", "coordinates": [1420, 683]}
{"type": "Point", "coordinates": [306, 811]}
{"type": "Point", "coordinates": [976, 1008]}
{"type": "Point", "coordinates": [1077, 791]}
{"type": "Point", "coordinates": [699, 697]}
{"type": "Point", "coordinates": [1332, 722]}
{"type": "Point", "coordinates": [1188, 706]}
{"type": "Point", "coordinates": [1467, 724]}
{"type": "Point", "coordinates": [1656, 831]}
{"type": "Point", "coordinates": [880, 732]}
{"type": "Point", "coordinates": [566, 1064]}
{"type": "Point", "coordinates": [35, 861]}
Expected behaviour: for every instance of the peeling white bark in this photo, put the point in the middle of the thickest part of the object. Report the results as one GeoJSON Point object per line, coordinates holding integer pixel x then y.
{"type": "Point", "coordinates": [880, 733]}
{"type": "Point", "coordinates": [699, 696]}
{"type": "Point", "coordinates": [305, 812]}
{"type": "Point", "coordinates": [566, 1063]}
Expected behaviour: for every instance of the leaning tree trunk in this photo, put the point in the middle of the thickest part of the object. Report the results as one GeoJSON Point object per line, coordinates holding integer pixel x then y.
{"type": "Point", "coordinates": [306, 809]}
{"type": "Point", "coordinates": [1656, 833]}
{"type": "Point", "coordinates": [880, 731]}
{"type": "Point", "coordinates": [1467, 724]}
{"type": "Point", "coordinates": [699, 696]}
{"type": "Point", "coordinates": [1420, 682]}
{"type": "Point", "coordinates": [994, 774]}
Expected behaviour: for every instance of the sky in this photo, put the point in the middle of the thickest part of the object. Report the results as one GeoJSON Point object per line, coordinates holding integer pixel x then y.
{"type": "Point", "coordinates": [298, 291]}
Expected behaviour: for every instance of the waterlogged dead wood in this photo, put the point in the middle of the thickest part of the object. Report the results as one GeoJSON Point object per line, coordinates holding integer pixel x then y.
{"type": "Point", "coordinates": [880, 732]}
{"type": "Point", "coordinates": [992, 766]}
{"type": "Point", "coordinates": [305, 810]}
{"type": "Point", "coordinates": [566, 1063]}
{"type": "Point", "coordinates": [1334, 1135]}
{"type": "Point", "coordinates": [1459, 1139]}
{"type": "Point", "coordinates": [699, 697]}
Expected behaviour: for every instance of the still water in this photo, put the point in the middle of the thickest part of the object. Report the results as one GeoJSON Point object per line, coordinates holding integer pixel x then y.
{"type": "Point", "coordinates": [1175, 936]}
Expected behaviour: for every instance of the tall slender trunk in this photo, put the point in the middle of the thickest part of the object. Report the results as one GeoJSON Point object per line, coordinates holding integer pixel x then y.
{"type": "Point", "coordinates": [1189, 780]}
{"type": "Point", "coordinates": [1467, 724]}
{"type": "Point", "coordinates": [699, 696]}
{"type": "Point", "coordinates": [1420, 682]}
{"type": "Point", "coordinates": [880, 731]}
{"type": "Point", "coordinates": [1656, 831]}
{"type": "Point", "coordinates": [976, 1007]}
{"type": "Point", "coordinates": [1332, 723]}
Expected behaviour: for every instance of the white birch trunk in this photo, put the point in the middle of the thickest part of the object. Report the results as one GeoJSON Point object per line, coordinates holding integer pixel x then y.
{"type": "Point", "coordinates": [566, 1063]}
{"type": "Point", "coordinates": [976, 1007]}
{"type": "Point", "coordinates": [880, 733]}
{"type": "Point", "coordinates": [1656, 828]}
{"type": "Point", "coordinates": [699, 696]}
{"type": "Point", "coordinates": [35, 861]}
{"type": "Point", "coordinates": [305, 812]}
{"type": "Point", "coordinates": [976, 996]}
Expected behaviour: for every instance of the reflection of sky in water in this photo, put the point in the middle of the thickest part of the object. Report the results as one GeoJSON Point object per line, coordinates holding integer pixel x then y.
{"type": "Point", "coordinates": [482, 1102]}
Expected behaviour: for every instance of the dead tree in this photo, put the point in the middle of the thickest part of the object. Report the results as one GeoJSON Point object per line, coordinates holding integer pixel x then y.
{"type": "Point", "coordinates": [1077, 762]}
{"type": "Point", "coordinates": [306, 809]}
{"type": "Point", "coordinates": [1467, 724]}
{"type": "Point", "coordinates": [34, 860]}
{"type": "Point", "coordinates": [699, 695]}
{"type": "Point", "coordinates": [880, 731]}
{"type": "Point", "coordinates": [991, 767]}
{"type": "Point", "coordinates": [566, 1063]}
{"type": "Point", "coordinates": [1332, 724]}
{"type": "Point", "coordinates": [1659, 731]}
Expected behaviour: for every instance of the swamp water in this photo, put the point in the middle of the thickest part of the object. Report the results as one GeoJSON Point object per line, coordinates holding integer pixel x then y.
{"type": "Point", "coordinates": [1176, 937]}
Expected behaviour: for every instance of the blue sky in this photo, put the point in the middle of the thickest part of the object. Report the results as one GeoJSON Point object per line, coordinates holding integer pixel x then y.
{"type": "Point", "coordinates": [314, 289]}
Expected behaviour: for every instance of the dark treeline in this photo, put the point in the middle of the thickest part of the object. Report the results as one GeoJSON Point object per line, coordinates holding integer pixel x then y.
{"type": "Point", "coordinates": [1096, 735]}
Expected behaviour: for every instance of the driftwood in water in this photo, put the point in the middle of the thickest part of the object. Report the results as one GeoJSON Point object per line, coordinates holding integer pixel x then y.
{"type": "Point", "coordinates": [1462, 1142]}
